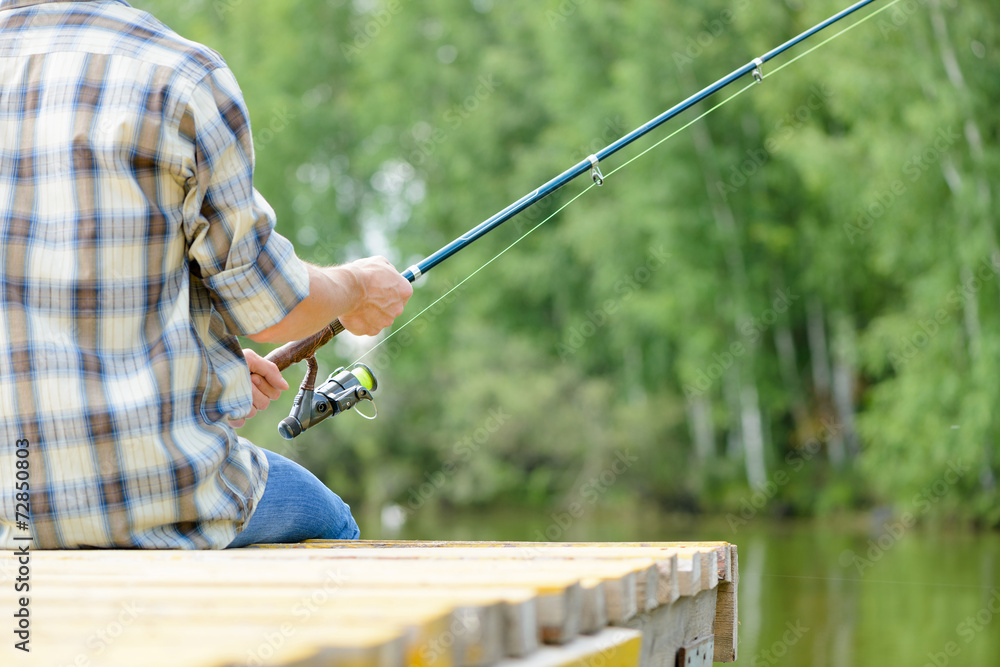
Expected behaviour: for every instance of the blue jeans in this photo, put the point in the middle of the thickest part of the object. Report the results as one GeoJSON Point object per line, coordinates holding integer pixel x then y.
{"type": "Point", "coordinates": [296, 506]}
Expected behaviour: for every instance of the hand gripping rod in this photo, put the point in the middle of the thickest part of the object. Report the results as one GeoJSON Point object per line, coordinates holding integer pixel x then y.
{"type": "Point", "coordinates": [295, 352]}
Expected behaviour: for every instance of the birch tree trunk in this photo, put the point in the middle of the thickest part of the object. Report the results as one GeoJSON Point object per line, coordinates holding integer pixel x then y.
{"type": "Point", "coordinates": [983, 195]}
{"type": "Point", "coordinates": [699, 409]}
{"type": "Point", "coordinates": [822, 377]}
{"type": "Point", "coordinates": [844, 372]}
{"type": "Point", "coordinates": [750, 417]}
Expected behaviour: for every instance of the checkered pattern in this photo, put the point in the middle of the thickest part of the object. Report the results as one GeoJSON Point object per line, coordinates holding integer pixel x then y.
{"type": "Point", "coordinates": [133, 248]}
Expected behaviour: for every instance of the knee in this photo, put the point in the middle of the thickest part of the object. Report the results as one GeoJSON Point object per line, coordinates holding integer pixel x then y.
{"type": "Point", "coordinates": [346, 531]}
{"type": "Point", "coordinates": [351, 530]}
{"type": "Point", "coordinates": [340, 523]}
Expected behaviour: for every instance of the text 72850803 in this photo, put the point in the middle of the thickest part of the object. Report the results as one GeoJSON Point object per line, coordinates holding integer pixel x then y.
{"type": "Point", "coordinates": [22, 515]}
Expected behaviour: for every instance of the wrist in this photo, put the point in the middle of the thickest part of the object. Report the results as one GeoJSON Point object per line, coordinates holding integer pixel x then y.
{"type": "Point", "coordinates": [347, 278]}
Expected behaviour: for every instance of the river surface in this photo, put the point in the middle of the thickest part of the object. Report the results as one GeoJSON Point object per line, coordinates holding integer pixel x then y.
{"type": "Point", "coordinates": [861, 594]}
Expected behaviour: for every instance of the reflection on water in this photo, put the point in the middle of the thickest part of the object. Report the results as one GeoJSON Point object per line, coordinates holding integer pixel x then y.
{"type": "Point", "coordinates": [811, 593]}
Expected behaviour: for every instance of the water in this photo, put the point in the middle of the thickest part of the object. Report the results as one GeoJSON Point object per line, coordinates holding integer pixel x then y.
{"type": "Point", "coordinates": [860, 594]}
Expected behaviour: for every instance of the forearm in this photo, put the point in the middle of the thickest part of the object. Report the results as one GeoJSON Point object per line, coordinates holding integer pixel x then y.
{"type": "Point", "coordinates": [333, 291]}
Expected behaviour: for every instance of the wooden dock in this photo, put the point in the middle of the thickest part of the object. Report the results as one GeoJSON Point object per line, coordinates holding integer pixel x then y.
{"type": "Point", "coordinates": [433, 604]}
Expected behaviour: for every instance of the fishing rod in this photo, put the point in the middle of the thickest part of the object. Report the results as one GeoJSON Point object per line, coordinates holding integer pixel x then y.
{"type": "Point", "coordinates": [346, 387]}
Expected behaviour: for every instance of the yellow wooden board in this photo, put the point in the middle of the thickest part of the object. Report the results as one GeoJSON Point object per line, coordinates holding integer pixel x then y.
{"type": "Point", "coordinates": [432, 604]}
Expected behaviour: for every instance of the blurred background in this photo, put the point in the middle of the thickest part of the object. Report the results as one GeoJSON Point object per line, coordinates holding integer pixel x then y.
{"type": "Point", "coordinates": [780, 328]}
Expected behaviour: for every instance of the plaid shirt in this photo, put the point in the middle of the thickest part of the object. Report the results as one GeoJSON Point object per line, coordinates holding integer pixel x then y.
{"type": "Point", "coordinates": [133, 248]}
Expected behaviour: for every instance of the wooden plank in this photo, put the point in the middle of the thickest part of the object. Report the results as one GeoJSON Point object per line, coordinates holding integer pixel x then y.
{"type": "Point", "coordinates": [666, 629]}
{"type": "Point", "coordinates": [689, 573]}
{"type": "Point", "coordinates": [725, 555]}
{"type": "Point", "coordinates": [523, 591]}
{"type": "Point", "coordinates": [559, 615]}
{"type": "Point", "coordinates": [653, 586]}
{"type": "Point", "coordinates": [612, 647]}
{"type": "Point", "coordinates": [154, 645]}
{"type": "Point", "coordinates": [697, 653]}
{"type": "Point", "coordinates": [559, 602]}
{"type": "Point", "coordinates": [594, 617]}
{"type": "Point", "coordinates": [320, 562]}
{"type": "Point", "coordinates": [709, 568]}
{"type": "Point", "coordinates": [721, 548]}
{"type": "Point", "coordinates": [709, 563]}
{"type": "Point", "coordinates": [661, 552]}
{"type": "Point", "coordinates": [559, 621]}
{"type": "Point", "coordinates": [442, 633]}
{"type": "Point", "coordinates": [406, 544]}
{"type": "Point", "coordinates": [521, 627]}
{"type": "Point", "coordinates": [647, 587]}
{"type": "Point", "coordinates": [620, 599]}
{"type": "Point", "coordinates": [668, 585]}
{"type": "Point", "coordinates": [720, 565]}
{"type": "Point", "coordinates": [516, 608]}
{"type": "Point", "coordinates": [726, 614]}
{"type": "Point", "coordinates": [581, 559]}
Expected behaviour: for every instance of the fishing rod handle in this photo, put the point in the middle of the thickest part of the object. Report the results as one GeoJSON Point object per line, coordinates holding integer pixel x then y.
{"type": "Point", "coordinates": [293, 353]}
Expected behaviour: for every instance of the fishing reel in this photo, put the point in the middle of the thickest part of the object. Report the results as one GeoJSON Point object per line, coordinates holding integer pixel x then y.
{"type": "Point", "coordinates": [344, 389]}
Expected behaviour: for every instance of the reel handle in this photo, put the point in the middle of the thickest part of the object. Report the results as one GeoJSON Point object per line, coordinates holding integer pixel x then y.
{"type": "Point", "coordinates": [296, 351]}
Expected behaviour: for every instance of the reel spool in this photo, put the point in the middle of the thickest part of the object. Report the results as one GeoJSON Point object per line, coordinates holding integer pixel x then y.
{"type": "Point", "coordinates": [344, 389]}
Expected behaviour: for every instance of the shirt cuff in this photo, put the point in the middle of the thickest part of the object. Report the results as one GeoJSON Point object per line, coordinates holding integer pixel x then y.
{"type": "Point", "coordinates": [258, 295]}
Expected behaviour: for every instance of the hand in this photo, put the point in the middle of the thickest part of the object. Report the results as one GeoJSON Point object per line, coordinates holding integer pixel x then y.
{"type": "Point", "coordinates": [383, 293]}
{"type": "Point", "coordinates": [267, 385]}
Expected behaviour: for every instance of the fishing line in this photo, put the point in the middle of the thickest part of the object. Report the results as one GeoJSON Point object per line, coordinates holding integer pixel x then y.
{"type": "Point", "coordinates": [498, 255]}
{"type": "Point", "coordinates": [751, 85]}
{"type": "Point", "coordinates": [936, 584]}
{"type": "Point", "coordinates": [622, 166]}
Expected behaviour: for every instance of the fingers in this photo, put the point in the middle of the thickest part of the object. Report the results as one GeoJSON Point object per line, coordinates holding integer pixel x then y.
{"type": "Point", "coordinates": [262, 386]}
{"type": "Point", "coordinates": [266, 385]}
{"type": "Point", "coordinates": [384, 295]}
{"type": "Point", "coordinates": [266, 371]}
{"type": "Point", "coordinates": [368, 324]}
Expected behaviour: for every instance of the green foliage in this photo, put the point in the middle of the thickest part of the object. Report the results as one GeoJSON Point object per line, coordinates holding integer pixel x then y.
{"type": "Point", "coordinates": [818, 257]}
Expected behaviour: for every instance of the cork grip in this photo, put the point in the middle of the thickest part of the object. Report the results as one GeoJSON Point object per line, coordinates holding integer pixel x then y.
{"type": "Point", "coordinates": [293, 353]}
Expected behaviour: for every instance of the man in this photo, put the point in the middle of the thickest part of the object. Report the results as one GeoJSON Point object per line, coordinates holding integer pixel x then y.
{"type": "Point", "coordinates": [133, 250]}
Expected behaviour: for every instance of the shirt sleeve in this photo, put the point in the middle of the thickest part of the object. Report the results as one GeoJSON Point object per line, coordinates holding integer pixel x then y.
{"type": "Point", "coordinates": [251, 271]}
